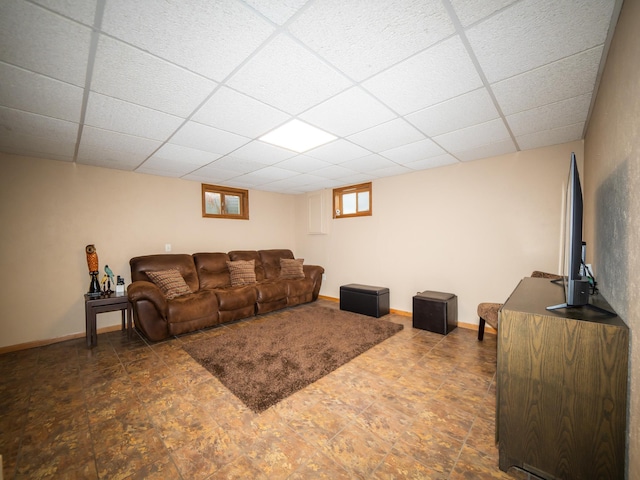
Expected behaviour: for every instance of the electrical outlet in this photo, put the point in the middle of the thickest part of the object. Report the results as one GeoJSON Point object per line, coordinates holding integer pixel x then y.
{"type": "Point", "coordinates": [167, 247]}
{"type": "Point", "coordinates": [324, 276]}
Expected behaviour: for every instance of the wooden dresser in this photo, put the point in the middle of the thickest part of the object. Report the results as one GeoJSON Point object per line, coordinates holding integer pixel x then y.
{"type": "Point", "coordinates": [561, 386]}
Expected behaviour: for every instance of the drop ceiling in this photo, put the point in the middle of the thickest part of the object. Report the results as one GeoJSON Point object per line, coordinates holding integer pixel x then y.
{"type": "Point", "coordinates": [186, 88]}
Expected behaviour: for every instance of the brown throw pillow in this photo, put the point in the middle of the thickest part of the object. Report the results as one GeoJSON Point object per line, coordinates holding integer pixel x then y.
{"type": "Point", "coordinates": [243, 272]}
{"type": "Point", "coordinates": [170, 282]}
{"type": "Point", "coordinates": [291, 268]}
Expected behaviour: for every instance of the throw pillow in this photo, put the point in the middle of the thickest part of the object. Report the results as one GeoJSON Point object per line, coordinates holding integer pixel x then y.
{"type": "Point", "coordinates": [291, 268]}
{"type": "Point", "coordinates": [243, 272]}
{"type": "Point", "coordinates": [170, 282]}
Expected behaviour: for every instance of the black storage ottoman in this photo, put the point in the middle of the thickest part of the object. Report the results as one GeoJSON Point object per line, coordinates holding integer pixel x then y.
{"type": "Point", "coordinates": [364, 299]}
{"type": "Point", "coordinates": [435, 311]}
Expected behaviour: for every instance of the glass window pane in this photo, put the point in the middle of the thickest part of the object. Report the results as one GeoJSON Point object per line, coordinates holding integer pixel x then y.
{"type": "Point", "coordinates": [213, 203]}
{"type": "Point", "coordinates": [348, 203]}
{"type": "Point", "coordinates": [232, 204]}
{"type": "Point", "coordinates": [363, 201]}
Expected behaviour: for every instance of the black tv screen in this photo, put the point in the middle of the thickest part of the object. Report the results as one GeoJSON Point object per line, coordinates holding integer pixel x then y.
{"type": "Point", "coordinates": [576, 287]}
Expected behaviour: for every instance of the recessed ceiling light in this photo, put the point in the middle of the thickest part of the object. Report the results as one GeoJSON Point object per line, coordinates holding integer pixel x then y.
{"type": "Point", "coordinates": [297, 136]}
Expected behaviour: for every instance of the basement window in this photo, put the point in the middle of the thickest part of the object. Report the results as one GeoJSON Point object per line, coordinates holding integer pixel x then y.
{"type": "Point", "coordinates": [225, 202]}
{"type": "Point", "coordinates": [352, 201]}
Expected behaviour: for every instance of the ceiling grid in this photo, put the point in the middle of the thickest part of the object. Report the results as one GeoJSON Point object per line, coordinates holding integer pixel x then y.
{"type": "Point", "coordinates": [187, 89]}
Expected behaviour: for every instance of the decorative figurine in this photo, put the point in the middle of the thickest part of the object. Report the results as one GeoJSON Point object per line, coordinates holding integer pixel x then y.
{"type": "Point", "coordinates": [109, 274]}
{"type": "Point", "coordinates": [92, 263]}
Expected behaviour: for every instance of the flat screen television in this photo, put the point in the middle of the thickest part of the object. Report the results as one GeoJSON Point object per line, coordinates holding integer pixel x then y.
{"type": "Point", "coordinates": [576, 286]}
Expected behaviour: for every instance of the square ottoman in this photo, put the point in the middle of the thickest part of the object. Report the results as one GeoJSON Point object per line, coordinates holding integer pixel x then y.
{"type": "Point", "coordinates": [435, 311]}
{"type": "Point", "coordinates": [364, 299]}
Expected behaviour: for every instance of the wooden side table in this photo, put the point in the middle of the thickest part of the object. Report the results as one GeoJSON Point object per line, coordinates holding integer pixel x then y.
{"type": "Point", "coordinates": [105, 303]}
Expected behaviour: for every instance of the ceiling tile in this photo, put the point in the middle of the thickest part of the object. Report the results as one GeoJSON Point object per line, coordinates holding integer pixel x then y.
{"type": "Point", "coordinates": [334, 171]}
{"type": "Point", "coordinates": [368, 163]}
{"type": "Point", "coordinates": [33, 146]}
{"type": "Point", "coordinates": [35, 93]}
{"type": "Point", "coordinates": [532, 33]}
{"type": "Point", "coordinates": [262, 152]}
{"type": "Point", "coordinates": [211, 174]}
{"type": "Point", "coordinates": [303, 164]}
{"type": "Point", "coordinates": [432, 162]}
{"type": "Point", "coordinates": [391, 171]}
{"type": "Point", "coordinates": [474, 136]}
{"type": "Point", "coordinates": [387, 135]}
{"type": "Point", "coordinates": [113, 150]}
{"type": "Point", "coordinates": [354, 179]}
{"type": "Point", "coordinates": [494, 149]}
{"type": "Point", "coordinates": [554, 136]}
{"type": "Point", "coordinates": [265, 175]}
{"type": "Point", "coordinates": [459, 112]}
{"type": "Point", "coordinates": [205, 29]}
{"type": "Point", "coordinates": [437, 74]}
{"type": "Point", "coordinates": [83, 11]}
{"type": "Point", "coordinates": [298, 184]}
{"type": "Point", "coordinates": [277, 12]}
{"type": "Point", "coordinates": [129, 74]}
{"type": "Point", "coordinates": [167, 168]}
{"type": "Point", "coordinates": [289, 77]}
{"type": "Point", "coordinates": [238, 165]}
{"type": "Point", "coordinates": [234, 112]}
{"type": "Point", "coordinates": [17, 122]}
{"type": "Point", "coordinates": [338, 151]}
{"type": "Point", "coordinates": [412, 152]}
{"type": "Point", "coordinates": [471, 11]}
{"type": "Point", "coordinates": [565, 112]}
{"type": "Point", "coordinates": [179, 154]}
{"type": "Point", "coordinates": [348, 112]}
{"type": "Point", "coordinates": [201, 137]}
{"type": "Point", "coordinates": [363, 38]}
{"type": "Point", "coordinates": [566, 78]}
{"type": "Point", "coordinates": [110, 113]}
{"type": "Point", "coordinates": [43, 42]}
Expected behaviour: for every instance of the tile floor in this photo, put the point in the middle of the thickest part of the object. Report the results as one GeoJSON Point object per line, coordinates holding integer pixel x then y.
{"type": "Point", "coordinates": [419, 405]}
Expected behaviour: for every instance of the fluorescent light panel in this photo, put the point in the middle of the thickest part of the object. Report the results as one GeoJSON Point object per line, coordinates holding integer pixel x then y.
{"type": "Point", "coordinates": [297, 136]}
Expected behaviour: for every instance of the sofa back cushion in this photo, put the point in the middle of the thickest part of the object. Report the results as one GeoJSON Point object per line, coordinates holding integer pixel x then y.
{"type": "Point", "coordinates": [271, 261]}
{"type": "Point", "coordinates": [153, 263]}
{"type": "Point", "coordinates": [212, 270]}
{"type": "Point", "coordinates": [249, 255]}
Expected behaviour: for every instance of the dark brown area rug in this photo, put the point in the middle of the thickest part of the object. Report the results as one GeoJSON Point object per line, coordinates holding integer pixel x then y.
{"type": "Point", "coordinates": [268, 360]}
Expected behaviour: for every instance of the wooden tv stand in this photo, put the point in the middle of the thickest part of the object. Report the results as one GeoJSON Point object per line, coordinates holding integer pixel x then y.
{"type": "Point", "coordinates": [561, 407]}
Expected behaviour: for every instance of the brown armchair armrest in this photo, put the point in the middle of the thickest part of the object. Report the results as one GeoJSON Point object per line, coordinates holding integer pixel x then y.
{"type": "Point", "coordinates": [142, 290]}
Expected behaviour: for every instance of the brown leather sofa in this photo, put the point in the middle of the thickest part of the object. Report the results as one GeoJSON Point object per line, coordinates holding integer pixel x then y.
{"type": "Point", "coordinates": [213, 299]}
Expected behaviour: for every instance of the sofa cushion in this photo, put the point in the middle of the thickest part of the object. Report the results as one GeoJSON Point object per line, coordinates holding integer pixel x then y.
{"type": "Point", "coordinates": [298, 287]}
{"type": "Point", "coordinates": [198, 310]}
{"type": "Point", "coordinates": [270, 260]}
{"type": "Point", "coordinates": [212, 270]}
{"type": "Point", "coordinates": [170, 282]}
{"type": "Point", "coordinates": [236, 298]}
{"type": "Point", "coordinates": [249, 255]}
{"type": "Point", "coordinates": [271, 291]}
{"type": "Point", "coordinates": [291, 268]}
{"type": "Point", "coordinates": [242, 272]}
{"type": "Point", "coordinates": [148, 263]}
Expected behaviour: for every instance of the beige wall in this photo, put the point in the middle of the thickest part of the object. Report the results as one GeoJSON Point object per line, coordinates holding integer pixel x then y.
{"type": "Point", "coordinates": [50, 210]}
{"type": "Point", "coordinates": [612, 195]}
{"type": "Point", "coordinates": [473, 229]}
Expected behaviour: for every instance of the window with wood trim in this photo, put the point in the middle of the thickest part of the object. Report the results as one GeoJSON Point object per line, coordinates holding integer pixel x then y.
{"type": "Point", "coordinates": [352, 201]}
{"type": "Point", "coordinates": [225, 202]}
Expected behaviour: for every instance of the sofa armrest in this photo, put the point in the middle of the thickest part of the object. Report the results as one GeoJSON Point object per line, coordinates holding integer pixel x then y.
{"type": "Point", "coordinates": [314, 272]}
{"type": "Point", "coordinates": [142, 290]}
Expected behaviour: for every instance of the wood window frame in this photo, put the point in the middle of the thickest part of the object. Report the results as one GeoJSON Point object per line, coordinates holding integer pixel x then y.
{"type": "Point", "coordinates": [223, 192]}
{"type": "Point", "coordinates": [338, 194]}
